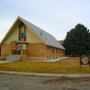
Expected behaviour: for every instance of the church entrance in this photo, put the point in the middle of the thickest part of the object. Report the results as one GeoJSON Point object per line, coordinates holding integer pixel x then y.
{"type": "Point", "coordinates": [19, 48]}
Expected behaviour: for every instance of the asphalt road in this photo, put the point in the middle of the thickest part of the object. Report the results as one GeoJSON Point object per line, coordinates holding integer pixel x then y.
{"type": "Point", "coordinates": [19, 82]}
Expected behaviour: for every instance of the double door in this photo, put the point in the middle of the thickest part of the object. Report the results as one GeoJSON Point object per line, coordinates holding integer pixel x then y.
{"type": "Point", "coordinates": [19, 49]}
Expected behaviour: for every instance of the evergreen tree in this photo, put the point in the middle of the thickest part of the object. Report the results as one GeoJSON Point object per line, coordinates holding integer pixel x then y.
{"type": "Point", "coordinates": [77, 41]}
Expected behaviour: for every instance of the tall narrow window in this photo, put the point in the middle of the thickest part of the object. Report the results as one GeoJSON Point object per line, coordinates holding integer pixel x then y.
{"type": "Point", "coordinates": [52, 50]}
{"type": "Point", "coordinates": [22, 32]}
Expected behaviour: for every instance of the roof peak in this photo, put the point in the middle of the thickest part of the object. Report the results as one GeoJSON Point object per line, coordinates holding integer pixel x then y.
{"type": "Point", "coordinates": [46, 37]}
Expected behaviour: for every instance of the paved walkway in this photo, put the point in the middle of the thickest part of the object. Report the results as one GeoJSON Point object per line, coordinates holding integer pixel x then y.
{"type": "Point", "coordinates": [58, 59]}
{"type": "Point", "coordinates": [51, 60]}
{"type": "Point", "coordinates": [7, 61]}
{"type": "Point", "coordinates": [53, 75]}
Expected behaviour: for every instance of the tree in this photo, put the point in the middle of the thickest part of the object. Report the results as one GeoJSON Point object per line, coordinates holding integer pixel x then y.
{"type": "Point", "coordinates": [77, 41]}
{"type": "Point", "coordinates": [88, 44]}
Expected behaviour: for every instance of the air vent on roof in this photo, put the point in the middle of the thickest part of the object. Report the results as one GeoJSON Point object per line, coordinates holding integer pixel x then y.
{"type": "Point", "coordinates": [41, 33]}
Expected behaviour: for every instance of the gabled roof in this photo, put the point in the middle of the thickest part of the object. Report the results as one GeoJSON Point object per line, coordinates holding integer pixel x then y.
{"type": "Point", "coordinates": [47, 38]}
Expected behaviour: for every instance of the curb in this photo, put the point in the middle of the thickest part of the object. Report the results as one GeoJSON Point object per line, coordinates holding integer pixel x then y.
{"type": "Point", "coordinates": [50, 75]}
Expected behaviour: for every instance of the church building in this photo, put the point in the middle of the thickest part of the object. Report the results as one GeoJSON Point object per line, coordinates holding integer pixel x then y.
{"type": "Point", "coordinates": [30, 42]}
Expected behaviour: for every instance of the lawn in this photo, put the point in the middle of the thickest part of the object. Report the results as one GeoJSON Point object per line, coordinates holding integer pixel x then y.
{"type": "Point", "coordinates": [70, 65]}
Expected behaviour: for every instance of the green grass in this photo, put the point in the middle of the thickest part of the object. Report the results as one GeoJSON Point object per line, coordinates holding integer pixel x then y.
{"type": "Point", "coordinates": [70, 65]}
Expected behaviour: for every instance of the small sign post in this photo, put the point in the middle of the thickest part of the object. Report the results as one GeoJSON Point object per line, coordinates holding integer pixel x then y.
{"type": "Point", "coordinates": [84, 60]}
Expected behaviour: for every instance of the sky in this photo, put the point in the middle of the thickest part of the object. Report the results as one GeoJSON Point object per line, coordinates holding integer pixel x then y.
{"type": "Point", "coordinates": [54, 16]}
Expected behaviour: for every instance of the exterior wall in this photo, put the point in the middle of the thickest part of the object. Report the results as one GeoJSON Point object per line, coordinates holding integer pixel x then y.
{"type": "Point", "coordinates": [13, 36]}
{"type": "Point", "coordinates": [53, 52]}
{"type": "Point", "coordinates": [43, 51]}
{"type": "Point", "coordinates": [35, 51]}
{"type": "Point", "coordinates": [62, 53]}
{"type": "Point", "coordinates": [5, 50]}
{"type": "Point", "coordinates": [31, 38]}
{"type": "Point", "coordinates": [34, 41]}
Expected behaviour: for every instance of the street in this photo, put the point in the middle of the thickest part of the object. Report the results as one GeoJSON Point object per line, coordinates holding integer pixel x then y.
{"type": "Point", "coordinates": [22, 82]}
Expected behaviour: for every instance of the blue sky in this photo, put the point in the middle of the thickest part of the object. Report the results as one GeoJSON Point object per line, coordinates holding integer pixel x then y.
{"type": "Point", "coordinates": [54, 16]}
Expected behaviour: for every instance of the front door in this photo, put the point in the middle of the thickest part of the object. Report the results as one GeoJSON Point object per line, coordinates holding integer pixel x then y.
{"type": "Point", "coordinates": [22, 48]}
{"type": "Point", "coordinates": [19, 48]}
{"type": "Point", "coordinates": [16, 52]}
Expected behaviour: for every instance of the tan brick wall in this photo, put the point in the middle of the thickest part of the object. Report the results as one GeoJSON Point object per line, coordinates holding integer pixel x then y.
{"type": "Point", "coordinates": [54, 52]}
{"type": "Point", "coordinates": [42, 50]}
{"type": "Point", "coordinates": [5, 49]}
{"type": "Point", "coordinates": [37, 50]}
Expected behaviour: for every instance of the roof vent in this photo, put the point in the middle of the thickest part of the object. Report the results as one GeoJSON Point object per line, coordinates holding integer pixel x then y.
{"type": "Point", "coordinates": [41, 33]}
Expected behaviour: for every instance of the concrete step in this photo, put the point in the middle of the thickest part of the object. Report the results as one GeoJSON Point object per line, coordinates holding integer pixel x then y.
{"type": "Point", "coordinates": [14, 57]}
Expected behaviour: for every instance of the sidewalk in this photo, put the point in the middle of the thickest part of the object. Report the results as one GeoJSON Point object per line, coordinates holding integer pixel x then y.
{"type": "Point", "coordinates": [49, 60]}
{"type": "Point", "coordinates": [52, 75]}
{"type": "Point", "coordinates": [7, 61]}
{"type": "Point", "coordinates": [58, 59]}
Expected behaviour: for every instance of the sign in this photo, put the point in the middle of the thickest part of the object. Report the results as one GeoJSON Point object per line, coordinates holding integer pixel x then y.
{"type": "Point", "coordinates": [84, 60]}
{"type": "Point", "coordinates": [22, 47]}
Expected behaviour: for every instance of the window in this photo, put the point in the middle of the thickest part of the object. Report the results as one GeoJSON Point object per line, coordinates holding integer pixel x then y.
{"type": "Point", "coordinates": [52, 50]}
{"type": "Point", "coordinates": [56, 50]}
{"type": "Point", "coordinates": [47, 47]}
{"type": "Point", "coordinates": [22, 46]}
{"type": "Point", "coordinates": [22, 32]}
{"type": "Point", "coordinates": [59, 51]}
